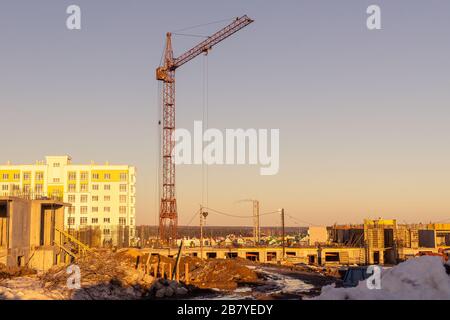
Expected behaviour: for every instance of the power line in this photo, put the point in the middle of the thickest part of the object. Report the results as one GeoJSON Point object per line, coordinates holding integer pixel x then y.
{"type": "Point", "coordinates": [239, 216]}
{"type": "Point", "coordinates": [193, 217]}
{"type": "Point", "coordinates": [299, 221]}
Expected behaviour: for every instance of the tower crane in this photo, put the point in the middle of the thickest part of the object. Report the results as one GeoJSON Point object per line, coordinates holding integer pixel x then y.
{"type": "Point", "coordinates": [168, 215]}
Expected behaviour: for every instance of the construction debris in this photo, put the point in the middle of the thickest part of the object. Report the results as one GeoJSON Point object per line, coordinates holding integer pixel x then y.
{"type": "Point", "coordinates": [104, 275]}
{"type": "Point", "coordinates": [166, 288]}
{"type": "Point", "coordinates": [12, 272]}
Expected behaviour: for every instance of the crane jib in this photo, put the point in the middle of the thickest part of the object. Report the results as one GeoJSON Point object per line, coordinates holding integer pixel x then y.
{"type": "Point", "coordinates": [207, 44]}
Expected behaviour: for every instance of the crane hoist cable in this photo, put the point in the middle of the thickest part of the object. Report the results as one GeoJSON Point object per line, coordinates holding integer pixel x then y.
{"type": "Point", "coordinates": [190, 35]}
{"type": "Point", "coordinates": [204, 25]}
{"type": "Point", "coordinates": [205, 172]}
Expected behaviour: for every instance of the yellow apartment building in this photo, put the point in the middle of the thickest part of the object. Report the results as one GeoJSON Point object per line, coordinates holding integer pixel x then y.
{"type": "Point", "coordinates": [102, 196]}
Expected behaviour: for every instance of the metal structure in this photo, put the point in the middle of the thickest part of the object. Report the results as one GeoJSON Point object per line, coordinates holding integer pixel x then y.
{"type": "Point", "coordinates": [256, 224]}
{"type": "Point", "coordinates": [168, 215]}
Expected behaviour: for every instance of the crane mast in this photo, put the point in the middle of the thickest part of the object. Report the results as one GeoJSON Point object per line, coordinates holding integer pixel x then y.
{"type": "Point", "coordinates": [168, 215]}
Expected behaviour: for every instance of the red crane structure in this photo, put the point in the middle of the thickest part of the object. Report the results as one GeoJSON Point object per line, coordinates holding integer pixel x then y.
{"type": "Point", "coordinates": [168, 216]}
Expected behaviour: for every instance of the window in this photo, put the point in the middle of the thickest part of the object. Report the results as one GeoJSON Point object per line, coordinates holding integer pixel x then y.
{"type": "Point", "coordinates": [83, 220]}
{"type": "Point", "coordinates": [132, 210]}
{"type": "Point", "coordinates": [107, 187]}
{"type": "Point", "coordinates": [94, 220]}
{"type": "Point", "coordinates": [71, 198]}
{"type": "Point", "coordinates": [122, 221]}
{"type": "Point", "coordinates": [38, 188]}
{"type": "Point", "coordinates": [55, 180]}
{"type": "Point", "coordinates": [84, 198]}
{"type": "Point", "coordinates": [95, 187]}
{"type": "Point", "coordinates": [123, 198]}
{"type": "Point", "coordinates": [5, 187]}
{"type": "Point", "coordinates": [83, 210]}
{"type": "Point", "coordinates": [71, 221]}
{"type": "Point", "coordinates": [94, 198]}
{"type": "Point", "coordinates": [84, 176]}
{"type": "Point", "coordinates": [106, 220]}
{"type": "Point", "coordinates": [5, 176]}
{"type": "Point", "coordinates": [107, 198]}
{"type": "Point", "coordinates": [72, 187]}
{"type": "Point", "coordinates": [107, 209]}
{"type": "Point", "coordinates": [122, 209]}
{"type": "Point", "coordinates": [72, 176]}
{"type": "Point", "coordinates": [83, 187]}
{"type": "Point", "coordinates": [95, 176]}
{"type": "Point", "coordinates": [107, 176]}
{"type": "Point", "coordinates": [56, 165]}
{"type": "Point", "coordinates": [123, 188]}
{"type": "Point", "coordinates": [27, 176]}
{"type": "Point", "coordinates": [39, 176]}
{"type": "Point", "coordinates": [131, 221]}
{"type": "Point", "coordinates": [71, 210]}
{"type": "Point", "coordinates": [26, 188]}
{"type": "Point", "coordinates": [132, 199]}
{"type": "Point", "coordinates": [106, 231]}
{"type": "Point", "coordinates": [123, 176]}
{"type": "Point", "coordinates": [16, 187]}
{"type": "Point", "coordinates": [16, 176]}
{"type": "Point", "coordinates": [132, 189]}
{"type": "Point", "coordinates": [94, 209]}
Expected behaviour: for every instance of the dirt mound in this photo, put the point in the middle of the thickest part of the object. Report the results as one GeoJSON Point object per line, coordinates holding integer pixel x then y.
{"type": "Point", "coordinates": [222, 274]}
{"type": "Point", "coordinates": [209, 274]}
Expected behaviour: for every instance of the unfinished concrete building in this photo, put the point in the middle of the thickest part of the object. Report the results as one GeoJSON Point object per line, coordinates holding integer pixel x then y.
{"type": "Point", "coordinates": [380, 241]}
{"type": "Point", "coordinates": [31, 232]}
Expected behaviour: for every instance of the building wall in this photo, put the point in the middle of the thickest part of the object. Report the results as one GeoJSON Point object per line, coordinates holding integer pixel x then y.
{"type": "Point", "coordinates": [101, 195]}
{"type": "Point", "coordinates": [19, 232]}
{"type": "Point", "coordinates": [317, 235]}
{"type": "Point", "coordinates": [45, 255]}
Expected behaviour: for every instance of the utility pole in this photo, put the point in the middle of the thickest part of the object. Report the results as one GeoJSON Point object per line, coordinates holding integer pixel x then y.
{"type": "Point", "coordinates": [201, 232]}
{"type": "Point", "coordinates": [282, 233]}
{"type": "Point", "coordinates": [203, 215]}
{"type": "Point", "coordinates": [256, 227]}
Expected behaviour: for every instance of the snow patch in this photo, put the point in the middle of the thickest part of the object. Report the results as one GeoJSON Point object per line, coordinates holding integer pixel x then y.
{"type": "Point", "coordinates": [421, 278]}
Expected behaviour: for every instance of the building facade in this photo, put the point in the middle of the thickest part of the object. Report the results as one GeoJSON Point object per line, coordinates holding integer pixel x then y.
{"type": "Point", "coordinates": [102, 197]}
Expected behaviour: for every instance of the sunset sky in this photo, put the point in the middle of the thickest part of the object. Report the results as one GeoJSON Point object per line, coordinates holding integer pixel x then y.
{"type": "Point", "coordinates": [364, 116]}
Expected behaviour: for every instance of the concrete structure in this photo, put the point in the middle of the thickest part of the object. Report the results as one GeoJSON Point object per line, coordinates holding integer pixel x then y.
{"type": "Point", "coordinates": [378, 241]}
{"type": "Point", "coordinates": [102, 196]}
{"type": "Point", "coordinates": [317, 235]}
{"type": "Point", "coordinates": [29, 232]}
{"type": "Point", "coordinates": [307, 255]}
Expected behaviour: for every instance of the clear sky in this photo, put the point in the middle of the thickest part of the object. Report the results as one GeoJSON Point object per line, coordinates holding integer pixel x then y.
{"type": "Point", "coordinates": [363, 115]}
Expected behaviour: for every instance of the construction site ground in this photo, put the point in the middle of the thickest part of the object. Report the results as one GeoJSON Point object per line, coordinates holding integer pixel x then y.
{"type": "Point", "coordinates": [106, 275]}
